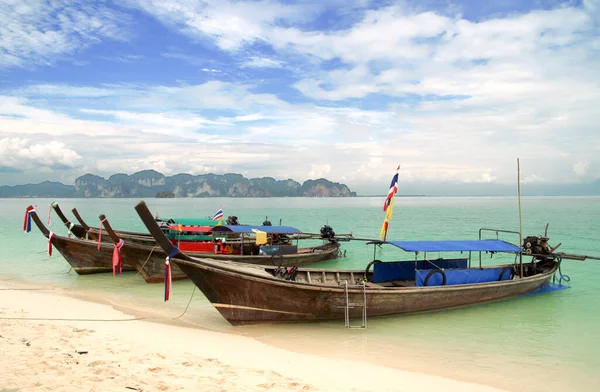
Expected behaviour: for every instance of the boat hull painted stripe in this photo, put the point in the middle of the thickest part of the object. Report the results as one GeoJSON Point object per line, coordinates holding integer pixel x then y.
{"type": "Point", "coordinates": [229, 306]}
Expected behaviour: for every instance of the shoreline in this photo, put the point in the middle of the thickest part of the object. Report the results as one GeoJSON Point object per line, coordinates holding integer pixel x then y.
{"type": "Point", "coordinates": [162, 354]}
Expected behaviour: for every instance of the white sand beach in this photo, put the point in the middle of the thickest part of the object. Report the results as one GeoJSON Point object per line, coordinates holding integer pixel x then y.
{"type": "Point", "coordinates": [66, 355]}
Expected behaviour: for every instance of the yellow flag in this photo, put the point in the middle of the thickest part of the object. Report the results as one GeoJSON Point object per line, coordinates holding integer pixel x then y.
{"type": "Point", "coordinates": [388, 217]}
{"type": "Point", "coordinates": [261, 237]}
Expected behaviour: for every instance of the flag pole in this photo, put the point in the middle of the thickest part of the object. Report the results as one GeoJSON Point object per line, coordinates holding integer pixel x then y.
{"type": "Point", "coordinates": [520, 217]}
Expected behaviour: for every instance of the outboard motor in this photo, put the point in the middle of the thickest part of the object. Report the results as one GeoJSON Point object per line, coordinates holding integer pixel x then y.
{"type": "Point", "coordinates": [536, 245]}
{"type": "Point", "coordinates": [267, 222]}
{"type": "Point", "coordinates": [232, 220]}
{"type": "Point", "coordinates": [327, 232]}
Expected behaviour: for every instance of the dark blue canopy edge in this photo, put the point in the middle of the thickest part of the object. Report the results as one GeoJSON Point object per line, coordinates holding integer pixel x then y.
{"type": "Point", "coordinates": [248, 229]}
{"type": "Point", "coordinates": [456, 246]}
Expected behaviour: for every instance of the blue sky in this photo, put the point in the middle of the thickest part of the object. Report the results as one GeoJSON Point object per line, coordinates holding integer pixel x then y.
{"type": "Point", "coordinates": [347, 90]}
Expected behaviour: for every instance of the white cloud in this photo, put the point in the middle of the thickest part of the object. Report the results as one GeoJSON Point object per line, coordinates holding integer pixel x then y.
{"type": "Point", "coordinates": [230, 24]}
{"type": "Point", "coordinates": [262, 62]}
{"type": "Point", "coordinates": [65, 91]}
{"type": "Point", "coordinates": [172, 120]}
{"type": "Point", "coordinates": [209, 95]}
{"type": "Point", "coordinates": [194, 60]}
{"type": "Point", "coordinates": [24, 154]}
{"type": "Point", "coordinates": [249, 117]}
{"type": "Point", "coordinates": [124, 58]}
{"type": "Point", "coordinates": [40, 32]}
{"type": "Point", "coordinates": [319, 171]}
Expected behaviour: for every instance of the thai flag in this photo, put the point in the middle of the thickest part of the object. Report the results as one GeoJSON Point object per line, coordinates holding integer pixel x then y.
{"type": "Point", "coordinates": [392, 191]}
{"type": "Point", "coordinates": [219, 214]}
{"type": "Point", "coordinates": [27, 221]}
{"type": "Point", "coordinates": [388, 205]}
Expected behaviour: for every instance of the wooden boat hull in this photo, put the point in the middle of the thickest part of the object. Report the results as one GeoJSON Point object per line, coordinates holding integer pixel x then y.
{"type": "Point", "coordinates": [149, 261]}
{"type": "Point", "coordinates": [248, 298]}
{"type": "Point", "coordinates": [85, 257]}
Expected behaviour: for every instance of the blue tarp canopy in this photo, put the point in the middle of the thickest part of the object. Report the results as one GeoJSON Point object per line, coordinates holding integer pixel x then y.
{"type": "Point", "coordinates": [457, 246]}
{"type": "Point", "coordinates": [266, 229]}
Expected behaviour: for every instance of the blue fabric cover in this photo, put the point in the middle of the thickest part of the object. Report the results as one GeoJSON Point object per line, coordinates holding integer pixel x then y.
{"type": "Point", "coordinates": [266, 229]}
{"type": "Point", "coordinates": [463, 276]}
{"type": "Point", "coordinates": [457, 246]}
{"type": "Point", "coordinates": [405, 270]}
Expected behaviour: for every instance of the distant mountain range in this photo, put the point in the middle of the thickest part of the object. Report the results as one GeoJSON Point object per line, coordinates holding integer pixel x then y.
{"type": "Point", "coordinates": [150, 183]}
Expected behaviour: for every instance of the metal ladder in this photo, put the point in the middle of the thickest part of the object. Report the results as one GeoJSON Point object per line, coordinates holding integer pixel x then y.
{"type": "Point", "coordinates": [354, 304]}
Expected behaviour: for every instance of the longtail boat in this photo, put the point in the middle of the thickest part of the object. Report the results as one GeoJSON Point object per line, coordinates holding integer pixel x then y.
{"type": "Point", "coordinates": [87, 255]}
{"type": "Point", "coordinates": [182, 229]}
{"type": "Point", "coordinates": [150, 260]}
{"type": "Point", "coordinates": [246, 294]}
{"type": "Point", "coordinates": [84, 256]}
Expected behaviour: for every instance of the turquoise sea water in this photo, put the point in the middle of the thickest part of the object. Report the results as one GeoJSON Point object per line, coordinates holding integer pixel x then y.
{"type": "Point", "coordinates": [545, 342]}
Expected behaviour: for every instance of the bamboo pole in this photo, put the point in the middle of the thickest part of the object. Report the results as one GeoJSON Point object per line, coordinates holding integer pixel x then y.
{"type": "Point", "coordinates": [520, 218]}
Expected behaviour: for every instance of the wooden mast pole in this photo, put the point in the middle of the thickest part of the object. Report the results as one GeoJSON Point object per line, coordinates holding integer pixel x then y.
{"type": "Point", "coordinates": [520, 218]}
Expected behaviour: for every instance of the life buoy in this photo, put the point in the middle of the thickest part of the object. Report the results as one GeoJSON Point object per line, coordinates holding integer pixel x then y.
{"type": "Point", "coordinates": [369, 267]}
{"type": "Point", "coordinates": [433, 272]}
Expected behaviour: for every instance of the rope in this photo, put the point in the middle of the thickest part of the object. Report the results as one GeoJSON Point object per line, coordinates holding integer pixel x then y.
{"type": "Point", "coordinates": [103, 320]}
{"type": "Point", "coordinates": [188, 304]}
{"type": "Point", "coordinates": [561, 277]}
{"type": "Point", "coordinates": [143, 265]}
{"type": "Point", "coordinates": [127, 281]}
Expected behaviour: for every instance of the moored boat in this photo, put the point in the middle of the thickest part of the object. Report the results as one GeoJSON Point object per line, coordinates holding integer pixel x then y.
{"type": "Point", "coordinates": [87, 255]}
{"type": "Point", "coordinates": [149, 260]}
{"type": "Point", "coordinates": [84, 256]}
{"type": "Point", "coordinates": [180, 229]}
{"type": "Point", "coordinates": [246, 294]}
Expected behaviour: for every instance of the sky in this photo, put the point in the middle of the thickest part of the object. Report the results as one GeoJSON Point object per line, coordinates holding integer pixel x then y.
{"type": "Point", "coordinates": [453, 91]}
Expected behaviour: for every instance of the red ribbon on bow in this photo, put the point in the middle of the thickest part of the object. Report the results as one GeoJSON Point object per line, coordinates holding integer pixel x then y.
{"type": "Point", "coordinates": [117, 260]}
{"type": "Point", "coordinates": [27, 222]}
{"type": "Point", "coordinates": [50, 236]}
